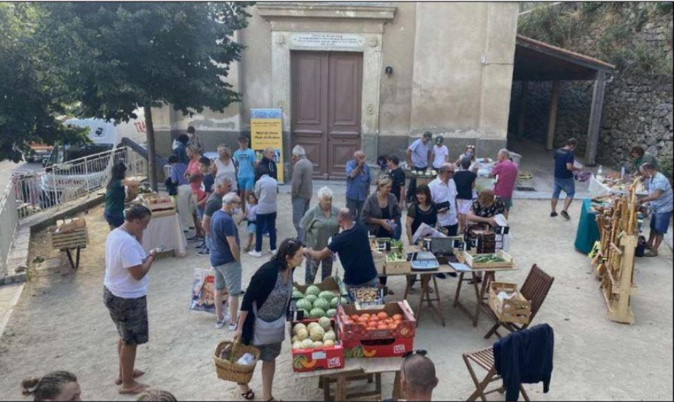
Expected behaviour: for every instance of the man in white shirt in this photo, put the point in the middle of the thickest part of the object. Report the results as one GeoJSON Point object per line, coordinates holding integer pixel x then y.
{"type": "Point", "coordinates": [125, 292]}
{"type": "Point", "coordinates": [418, 156]}
{"type": "Point", "coordinates": [443, 194]}
{"type": "Point", "coordinates": [440, 153]}
{"type": "Point", "coordinates": [266, 189]}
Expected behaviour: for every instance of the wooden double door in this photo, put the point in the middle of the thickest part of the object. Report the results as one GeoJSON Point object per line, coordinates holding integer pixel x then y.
{"type": "Point", "coordinates": [326, 108]}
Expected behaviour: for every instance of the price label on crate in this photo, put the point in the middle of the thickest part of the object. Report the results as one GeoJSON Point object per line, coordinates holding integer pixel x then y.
{"type": "Point", "coordinates": [318, 355]}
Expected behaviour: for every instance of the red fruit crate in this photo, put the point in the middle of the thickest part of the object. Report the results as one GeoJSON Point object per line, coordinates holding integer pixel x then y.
{"type": "Point", "coordinates": [362, 338]}
{"type": "Point", "coordinates": [326, 357]}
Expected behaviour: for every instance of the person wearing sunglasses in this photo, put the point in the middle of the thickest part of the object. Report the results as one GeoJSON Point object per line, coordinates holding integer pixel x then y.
{"type": "Point", "coordinates": [417, 376]}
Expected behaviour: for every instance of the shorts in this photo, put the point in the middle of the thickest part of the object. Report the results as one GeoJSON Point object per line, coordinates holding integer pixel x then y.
{"type": "Point", "coordinates": [114, 220]}
{"type": "Point", "coordinates": [251, 228]}
{"type": "Point", "coordinates": [566, 184]}
{"type": "Point", "coordinates": [200, 212]}
{"type": "Point", "coordinates": [508, 202]}
{"type": "Point", "coordinates": [228, 276]}
{"type": "Point", "coordinates": [660, 222]}
{"type": "Point", "coordinates": [245, 183]}
{"type": "Point", "coordinates": [463, 206]}
{"type": "Point", "coordinates": [130, 317]}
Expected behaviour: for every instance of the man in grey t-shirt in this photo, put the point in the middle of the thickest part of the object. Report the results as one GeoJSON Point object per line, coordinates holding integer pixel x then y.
{"type": "Point", "coordinates": [223, 185]}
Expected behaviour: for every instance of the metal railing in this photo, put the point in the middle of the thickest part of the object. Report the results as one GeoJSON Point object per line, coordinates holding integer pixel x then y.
{"type": "Point", "coordinates": [9, 219]}
{"type": "Point", "coordinates": [55, 185]}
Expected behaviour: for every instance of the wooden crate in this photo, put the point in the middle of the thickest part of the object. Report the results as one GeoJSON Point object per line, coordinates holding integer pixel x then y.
{"type": "Point", "coordinates": [507, 257]}
{"type": "Point", "coordinates": [68, 240]}
{"type": "Point", "coordinates": [516, 310]}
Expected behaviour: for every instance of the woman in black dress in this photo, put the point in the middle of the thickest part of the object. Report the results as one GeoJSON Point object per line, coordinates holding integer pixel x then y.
{"type": "Point", "coordinates": [421, 211]}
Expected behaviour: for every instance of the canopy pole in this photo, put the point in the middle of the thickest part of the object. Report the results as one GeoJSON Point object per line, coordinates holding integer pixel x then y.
{"type": "Point", "coordinates": [552, 115]}
{"type": "Point", "coordinates": [522, 106]}
{"type": "Point", "coordinates": [595, 118]}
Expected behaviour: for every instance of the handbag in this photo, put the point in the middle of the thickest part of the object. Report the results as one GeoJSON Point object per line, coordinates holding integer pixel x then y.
{"type": "Point", "coordinates": [268, 332]}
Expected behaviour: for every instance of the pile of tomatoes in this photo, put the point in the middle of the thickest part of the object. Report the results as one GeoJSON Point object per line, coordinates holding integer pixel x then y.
{"type": "Point", "coordinates": [372, 322]}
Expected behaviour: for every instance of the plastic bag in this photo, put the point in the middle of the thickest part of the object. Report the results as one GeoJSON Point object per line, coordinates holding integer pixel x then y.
{"type": "Point", "coordinates": [203, 291]}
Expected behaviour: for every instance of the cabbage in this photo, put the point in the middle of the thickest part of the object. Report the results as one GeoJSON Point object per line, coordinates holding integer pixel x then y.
{"type": "Point", "coordinates": [312, 290]}
{"type": "Point", "coordinates": [317, 313]}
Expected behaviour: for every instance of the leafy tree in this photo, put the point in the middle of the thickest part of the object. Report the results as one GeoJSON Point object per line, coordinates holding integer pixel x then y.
{"type": "Point", "coordinates": [29, 97]}
{"type": "Point", "coordinates": [116, 57]}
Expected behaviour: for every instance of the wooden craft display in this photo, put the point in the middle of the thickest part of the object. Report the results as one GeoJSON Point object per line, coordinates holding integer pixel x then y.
{"type": "Point", "coordinates": [71, 234]}
{"type": "Point", "coordinates": [615, 259]}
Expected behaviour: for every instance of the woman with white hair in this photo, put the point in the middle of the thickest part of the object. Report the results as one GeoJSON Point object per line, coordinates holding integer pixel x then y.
{"type": "Point", "coordinates": [225, 165]}
{"type": "Point", "coordinates": [318, 225]}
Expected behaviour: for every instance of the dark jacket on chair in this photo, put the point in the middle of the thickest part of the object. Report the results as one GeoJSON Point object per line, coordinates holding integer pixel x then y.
{"type": "Point", "coordinates": [525, 357]}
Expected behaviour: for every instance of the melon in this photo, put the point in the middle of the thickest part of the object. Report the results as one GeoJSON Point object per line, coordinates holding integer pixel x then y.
{"type": "Point", "coordinates": [330, 336]}
{"type": "Point", "coordinates": [297, 345]}
{"type": "Point", "coordinates": [311, 298]}
{"type": "Point", "coordinates": [331, 313]}
{"type": "Point", "coordinates": [313, 290]}
{"type": "Point", "coordinates": [297, 294]}
{"type": "Point", "coordinates": [327, 295]}
{"type": "Point", "coordinates": [302, 334]}
{"type": "Point", "coordinates": [297, 327]}
{"type": "Point", "coordinates": [322, 304]}
{"type": "Point", "coordinates": [304, 304]}
{"type": "Point", "coordinates": [316, 312]}
{"type": "Point", "coordinates": [328, 343]}
{"type": "Point", "coordinates": [325, 323]}
{"type": "Point", "coordinates": [317, 344]}
{"type": "Point", "coordinates": [312, 325]}
{"type": "Point", "coordinates": [334, 301]}
{"type": "Point", "coordinates": [316, 334]}
{"type": "Point", "coordinates": [294, 339]}
{"type": "Point", "coordinates": [307, 343]}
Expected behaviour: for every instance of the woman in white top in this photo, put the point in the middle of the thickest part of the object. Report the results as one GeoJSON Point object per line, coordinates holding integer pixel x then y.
{"type": "Point", "coordinates": [440, 153]}
{"type": "Point", "coordinates": [470, 152]}
{"type": "Point", "coordinates": [225, 165]}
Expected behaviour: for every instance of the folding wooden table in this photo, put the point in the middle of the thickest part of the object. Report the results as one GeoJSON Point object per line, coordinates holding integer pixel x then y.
{"type": "Point", "coordinates": [356, 369]}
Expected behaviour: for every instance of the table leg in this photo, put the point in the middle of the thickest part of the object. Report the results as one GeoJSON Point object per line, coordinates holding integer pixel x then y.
{"type": "Point", "coordinates": [485, 282]}
{"type": "Point", "coordinates": [407, 286]}
{"type": "Point", "coordinates": [458, 289]}
{"type": "Point", "coordinates": [439, 306]}
{"type": "Point", "coordinates": [424, 293]}
{"type": "Point", "coordinates": [70, 258]}
{"type": "Point", "coordinates": [77, 259]}
{"type": "Point", "coordinates": [377, 385]}
{"type": "Point", "coordinates": [396, 387]}
{"type": "Point", "coordinates": [340, 392]}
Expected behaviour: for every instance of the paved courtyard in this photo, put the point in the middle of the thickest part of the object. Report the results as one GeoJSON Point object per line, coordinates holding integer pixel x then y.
{"type": "Point", "coordinates": [60, 322]}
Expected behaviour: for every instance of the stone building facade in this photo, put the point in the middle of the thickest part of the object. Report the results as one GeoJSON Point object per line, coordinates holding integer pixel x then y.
{"type": "Point", "coordinates": [369, 76]}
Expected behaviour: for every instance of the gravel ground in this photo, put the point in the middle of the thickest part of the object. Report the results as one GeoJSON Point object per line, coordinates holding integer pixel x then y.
{"type": "Point", "coordinates": [60, 322]}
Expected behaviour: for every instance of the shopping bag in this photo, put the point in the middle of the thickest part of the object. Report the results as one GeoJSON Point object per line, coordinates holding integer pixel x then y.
{"type": "Point", "coordinates": [203, 291]}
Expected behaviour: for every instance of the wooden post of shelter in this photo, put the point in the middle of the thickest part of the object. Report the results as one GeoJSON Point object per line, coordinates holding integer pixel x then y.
{"type": "Point", "coordinates": [552, 115]}
{"type": "Point", "coordinates": [595, 118]}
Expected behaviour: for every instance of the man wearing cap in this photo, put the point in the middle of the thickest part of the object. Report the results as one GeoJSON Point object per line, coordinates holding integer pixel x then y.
{"type": "Point", "coordinates": [440, 153]}
{"type": "Point", "coordinates": [418, 157]}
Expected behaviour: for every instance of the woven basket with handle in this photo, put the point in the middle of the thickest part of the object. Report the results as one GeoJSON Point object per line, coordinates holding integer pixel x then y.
{"type": "Point", "coordinates": [229, 370]}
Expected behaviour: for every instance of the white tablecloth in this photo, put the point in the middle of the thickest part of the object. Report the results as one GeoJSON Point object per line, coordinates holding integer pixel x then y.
{"type": "Point", "coordinates": [165, 231]}
{"type": "Point", "coordinates": [596, 188]}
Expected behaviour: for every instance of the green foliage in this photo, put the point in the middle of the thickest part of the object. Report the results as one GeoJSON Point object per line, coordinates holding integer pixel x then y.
{"type": "Point", "coordinates": [665, 165]}
{"type": "Point", "coordinates": [565, 25]}
{"type": "Point", "coordinates": [30, 99]}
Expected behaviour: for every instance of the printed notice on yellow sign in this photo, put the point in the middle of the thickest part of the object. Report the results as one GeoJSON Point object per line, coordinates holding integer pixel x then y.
{"type": "Point", "coordinates": [266, 131]}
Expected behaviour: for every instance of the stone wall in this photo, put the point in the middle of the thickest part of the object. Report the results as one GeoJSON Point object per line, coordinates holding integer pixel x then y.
{"type": "Point", "coordinates": [637, 107]}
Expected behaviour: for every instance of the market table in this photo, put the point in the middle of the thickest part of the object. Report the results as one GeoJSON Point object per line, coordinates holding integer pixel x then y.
{"type": "Point", "coordinates": [354, 369]}
{"type": "Point", "coordinates": [165, 231]}
{"type": "Point", "coordinates": [588, 231]}
{"type": "Point", "coordinates": [489, 275]}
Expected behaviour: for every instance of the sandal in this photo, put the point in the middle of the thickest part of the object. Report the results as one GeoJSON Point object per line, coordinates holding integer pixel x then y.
{"type": "Point", "coordinates": [136, 374]}
{"type": "Point", "coordinates": [248, 395]}
{"type": "Point", "coordinates": [133, 391]}
{"type": "Point", "coordinates": [651, 253]}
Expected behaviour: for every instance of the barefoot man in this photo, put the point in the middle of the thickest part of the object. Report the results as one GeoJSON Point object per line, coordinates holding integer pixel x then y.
{"type": "Point", "coordinates": [125, 290]}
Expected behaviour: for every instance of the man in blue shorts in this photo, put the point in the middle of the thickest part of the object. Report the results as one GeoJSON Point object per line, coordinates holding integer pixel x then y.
{"type": "Point", "coordinates": [564, 169]}
{"type": "Point", "coordinates": [244, 159]}
{"type": "Point", "coordinates": [660, 199]}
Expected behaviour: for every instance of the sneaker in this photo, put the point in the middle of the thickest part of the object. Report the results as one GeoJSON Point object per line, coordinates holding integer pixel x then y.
{"type": "Point", "coordinates": [220, 323]}
{"type": "Point", "coordinates": [553, 214]}
{"type": "Point", "coordinates": [452, 274]}
{"type": "Point", "coordinates": [273, 252]}
{"type": "Point", "coordinates": [565, 215]}
{"type": "Point", "coordinates": [256, 254]}
{"type": "Point", "coordinates": [201, 245]}
{"type": "Point", "coordinates": [204, 252]}
{"type": "Point", "coordinates": [194, 238]}
{"type": "Point", "coordinates": [232, 326]}
{"type": "Point", "coordinates": [441, 276]}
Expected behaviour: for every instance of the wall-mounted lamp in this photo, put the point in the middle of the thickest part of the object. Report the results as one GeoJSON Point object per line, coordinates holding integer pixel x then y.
{"type": "Point", "coordinates": [388, 70]}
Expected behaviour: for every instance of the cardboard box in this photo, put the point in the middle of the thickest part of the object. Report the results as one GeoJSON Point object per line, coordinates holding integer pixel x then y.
{"type": "Point", "coordinates": [330, 357]}
{"type": "Point", "coordinates": [331, 283]}
{"type": "Point", "coordinates": [359, 342]}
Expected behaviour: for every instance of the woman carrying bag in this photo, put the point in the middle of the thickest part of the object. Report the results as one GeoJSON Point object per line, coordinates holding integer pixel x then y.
{"type": "Point", "coordinates": [262, 321]}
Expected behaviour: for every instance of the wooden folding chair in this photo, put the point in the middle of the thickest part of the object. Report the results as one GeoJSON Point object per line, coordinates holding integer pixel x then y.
{"type": "Point", "coordinates": [535, 289]}
{"type": "Point", "coordinates": [485, 359]}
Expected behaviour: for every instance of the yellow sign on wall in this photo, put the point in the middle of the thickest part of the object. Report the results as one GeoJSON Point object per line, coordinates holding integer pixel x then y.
{"type": "Point", "coordinates": [266, 131]}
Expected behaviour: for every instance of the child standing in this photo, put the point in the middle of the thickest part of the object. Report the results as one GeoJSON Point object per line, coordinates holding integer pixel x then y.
{"type": "Point", "coordinates": [251, 217]}
{"type": "Point", "coordinates": [205, 167]}
{"type": "Point", "coordinates": [172, 180]}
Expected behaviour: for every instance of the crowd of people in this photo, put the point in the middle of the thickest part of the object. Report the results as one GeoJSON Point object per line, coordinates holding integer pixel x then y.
{"type": "Point", "coordinates": [214, 197]}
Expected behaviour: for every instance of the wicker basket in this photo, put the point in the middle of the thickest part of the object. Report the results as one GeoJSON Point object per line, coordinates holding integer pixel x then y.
{"type": "Point", "coordinates": [230, 371]}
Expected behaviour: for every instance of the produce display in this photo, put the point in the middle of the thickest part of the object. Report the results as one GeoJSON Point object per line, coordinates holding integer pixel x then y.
{"type": "Point", "coordinates": [487, 258]}
{"type": "Point", "coordinates": [396, 257]}
{"type": "Point", "coordinates": [426, 173]}
{"type": "Point", "coordinates": [315, 345]}
{"type": "Point", "coordinates": [316, 334]}
{"type": "Point", "coordinates": [315, 303]}
{"type": "Point", "coordinates": [366, 294]}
